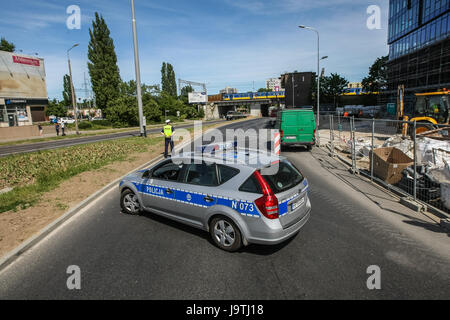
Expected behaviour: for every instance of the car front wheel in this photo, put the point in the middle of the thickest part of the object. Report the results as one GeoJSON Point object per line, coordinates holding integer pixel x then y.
{"type": "Point", "coordinates": [130, 202]}
{"type": "Point", "coordinates": [225, 234]}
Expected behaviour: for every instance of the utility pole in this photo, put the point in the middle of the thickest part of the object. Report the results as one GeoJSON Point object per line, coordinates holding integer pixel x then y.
{"type": "Point", "coordinates": [318, 78]}
{"type": "Point", "coordinates": [293, 91]}
{"type": "Point", "coordinates": [74, 101]}
{"type": "Point", "coordinates": [138, 73]}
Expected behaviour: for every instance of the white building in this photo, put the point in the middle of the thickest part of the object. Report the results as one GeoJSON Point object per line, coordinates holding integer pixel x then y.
{"type": "Point", "coordinates": [273, 84]}
{"type": "Point", "coordinates": [23, 90]}
{"type": "Point", "coordinates": [228, 90]}
{"type": "Point", "coordinates": [354, 85]}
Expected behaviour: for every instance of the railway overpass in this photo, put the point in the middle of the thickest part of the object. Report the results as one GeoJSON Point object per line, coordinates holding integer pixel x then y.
{"type": "Point", "coordinates": [258, 107]}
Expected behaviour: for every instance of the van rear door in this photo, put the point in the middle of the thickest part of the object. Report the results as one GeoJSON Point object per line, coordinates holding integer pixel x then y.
{"type": "Point", "coordinates": [306, 126]}
{"type": "Point", "coordinates": [289, 126]}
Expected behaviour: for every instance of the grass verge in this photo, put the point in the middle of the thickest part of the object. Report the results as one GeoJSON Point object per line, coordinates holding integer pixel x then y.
{"type": "Point", "coordinates": [35, 173]}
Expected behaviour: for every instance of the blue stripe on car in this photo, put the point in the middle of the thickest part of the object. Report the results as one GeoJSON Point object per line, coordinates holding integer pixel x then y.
{"type": "Point", "coordinates": [246, 208]}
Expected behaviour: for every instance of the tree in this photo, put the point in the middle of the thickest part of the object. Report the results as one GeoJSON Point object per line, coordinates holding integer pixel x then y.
{"type": "Point", "coordinates": [171, 81]}
{"type": "Point", "coordinates": [56, 108]}
{"type": "Point", "coordinates": [6, 46]}
{"type": "Point", "coordinates": [185, 94]}
{"type": "Point", "coordinates": [264, 90]}
{"type": "Point", "coordinates": [102, 65]}
{"type": "Point", "coordinates": [151, 109]}
{"type": "Point", "coordinates": [377, 78]}
{"type": "Point", "coordinates": [333, 86]}
{"type": "Point", "coordinates": [67, 93]}
{"type": "Point", "coordinates": [123, 111]}
{"type": "Point", "coordinates": [168, 82]}
{"type": "Point", "coordinates": [164, 85]}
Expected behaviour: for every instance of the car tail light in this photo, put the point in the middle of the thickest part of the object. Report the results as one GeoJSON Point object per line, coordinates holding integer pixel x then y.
{"type": "Point", "coordinates": [268, 203]}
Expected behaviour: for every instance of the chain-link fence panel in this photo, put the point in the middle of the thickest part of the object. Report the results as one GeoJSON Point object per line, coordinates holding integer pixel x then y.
{"type": "Point", "coordinates": [413, 157]}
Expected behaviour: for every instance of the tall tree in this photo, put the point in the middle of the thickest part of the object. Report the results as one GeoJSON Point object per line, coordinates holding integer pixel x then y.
{"type": "Point", "coordinates": [377, 78]}
{"type": "Point", "coordinates": [6, 46]}
{"type": "Point", "coordinates": [333, 86]}
{"type": "Point", "coordinates": [171, 80]}
{"type": "Point", "coordinates": [164, 83]}
{"type": "Point", "coordinates": [102, 65]}
{"type": "Point", "coordinates": [168, 82]}
{"type": "Point", "coordinates": [67, 93]}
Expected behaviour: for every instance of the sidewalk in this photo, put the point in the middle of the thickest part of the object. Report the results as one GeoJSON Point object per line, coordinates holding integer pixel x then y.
{"type": "Point", "coordinates": [71, 132]}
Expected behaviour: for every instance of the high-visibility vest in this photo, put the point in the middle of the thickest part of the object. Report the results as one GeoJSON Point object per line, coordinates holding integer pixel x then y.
{"type": "Point", "coordinates": [168, 131]}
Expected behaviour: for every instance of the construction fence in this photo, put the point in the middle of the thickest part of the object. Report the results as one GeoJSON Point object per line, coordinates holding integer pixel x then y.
{"type": "Point", "coordinates": [410, 157]}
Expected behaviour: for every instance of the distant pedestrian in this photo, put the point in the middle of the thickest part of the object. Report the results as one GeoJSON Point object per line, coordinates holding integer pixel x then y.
{"type": "Point", "coordinates": [168, 131]}
{"type": "Point", "coordinates": [57, 128]}
{"type": "Point", "coordinates": [40, 129]}
{"type": "Point", "coordinates": [63, 126]}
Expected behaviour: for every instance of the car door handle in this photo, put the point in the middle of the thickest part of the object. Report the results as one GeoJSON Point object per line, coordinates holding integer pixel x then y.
{"type": "Point", "coordinates": [168, 191]}
{"type": "Point", "coordinates": [208, 199]}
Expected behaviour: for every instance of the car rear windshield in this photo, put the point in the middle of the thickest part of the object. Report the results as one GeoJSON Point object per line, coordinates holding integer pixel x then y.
{"type": "Point", "coordinates": [286, 177]}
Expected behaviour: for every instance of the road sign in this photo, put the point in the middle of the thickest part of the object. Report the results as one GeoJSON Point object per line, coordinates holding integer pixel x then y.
{"type": "Point", "coordinates": [198, 97]}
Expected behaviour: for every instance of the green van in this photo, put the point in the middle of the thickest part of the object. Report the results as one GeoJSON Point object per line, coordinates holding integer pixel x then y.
{"type": "Point", "coordinates": [297, 127]}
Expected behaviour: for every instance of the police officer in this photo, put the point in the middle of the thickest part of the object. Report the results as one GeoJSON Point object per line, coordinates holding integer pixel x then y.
{"type": "Point", "coordinates": [167, 132]}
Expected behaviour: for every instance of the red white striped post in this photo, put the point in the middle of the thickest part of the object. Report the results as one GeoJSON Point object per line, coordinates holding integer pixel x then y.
{"type": "Point", "coordinates": [277, 139]}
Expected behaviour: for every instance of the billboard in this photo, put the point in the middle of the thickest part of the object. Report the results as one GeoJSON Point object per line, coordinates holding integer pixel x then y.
{"type": "Point", "coordinates": [198, 97]}
{"type": "Point", "coordinates": [22, 76]}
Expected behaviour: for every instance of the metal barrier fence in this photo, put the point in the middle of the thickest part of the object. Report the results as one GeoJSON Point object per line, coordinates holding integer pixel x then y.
{"type": "Point", "coordinates": [392, 152]}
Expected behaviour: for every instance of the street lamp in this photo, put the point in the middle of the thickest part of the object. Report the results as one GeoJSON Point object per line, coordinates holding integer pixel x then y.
{"type": "Point", "coordinates": [74, 101]}
{"type": "Point", "coordinates": [318, 76]}
{"type": "Point", "coordinates": [138, 73]}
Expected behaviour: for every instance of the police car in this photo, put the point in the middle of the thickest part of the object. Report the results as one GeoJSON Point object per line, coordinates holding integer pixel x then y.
{"type": "Point", "coordinates": [238, 196]}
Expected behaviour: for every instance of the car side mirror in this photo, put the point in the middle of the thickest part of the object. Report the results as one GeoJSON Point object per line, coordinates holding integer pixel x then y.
{"type": "Point", "coordinates": [146, 174]}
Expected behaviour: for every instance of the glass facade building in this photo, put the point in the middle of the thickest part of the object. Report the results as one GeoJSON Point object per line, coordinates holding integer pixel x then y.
{"type": "Point", "coordinates": [415, 24]}
{"type": "Point", "coordinates": [419, 46]}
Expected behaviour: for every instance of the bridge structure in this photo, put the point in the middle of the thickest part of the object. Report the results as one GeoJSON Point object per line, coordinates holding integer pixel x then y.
{"type": "Point", "coordinates": [258, 106]}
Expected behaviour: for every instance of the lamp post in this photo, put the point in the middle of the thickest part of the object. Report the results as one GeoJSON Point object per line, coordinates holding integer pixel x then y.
{"type": "Point", "coordinates": [74, 101]}
{"type": "Point", "coordinates": [138, 73]}
{"type": "Point", "coordinates": [318, 75]}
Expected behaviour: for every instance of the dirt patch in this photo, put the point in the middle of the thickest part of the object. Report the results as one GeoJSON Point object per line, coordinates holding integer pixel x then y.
{"type": "Point", "coordinates": [15, 227]}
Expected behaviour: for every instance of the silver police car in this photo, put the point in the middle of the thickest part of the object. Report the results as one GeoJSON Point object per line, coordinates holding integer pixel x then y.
{"type": "Point", "coordinates": [225, 193]}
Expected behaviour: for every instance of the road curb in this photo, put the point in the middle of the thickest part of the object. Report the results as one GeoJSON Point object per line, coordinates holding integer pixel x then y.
{"type": "Point", "coordinates": [14, 254]}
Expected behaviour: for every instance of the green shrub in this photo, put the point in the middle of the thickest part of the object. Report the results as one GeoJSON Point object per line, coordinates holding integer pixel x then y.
{"type": "Point", "coordinates": [85, 125]}
{"type": "Point", "coordinates": [104, 123]}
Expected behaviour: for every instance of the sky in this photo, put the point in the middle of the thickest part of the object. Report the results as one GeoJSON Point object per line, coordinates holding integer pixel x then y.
{"type": "Point", "coordinates": [236, 43]}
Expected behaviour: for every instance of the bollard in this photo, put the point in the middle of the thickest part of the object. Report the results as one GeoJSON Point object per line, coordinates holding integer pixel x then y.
{"type": "Point", "coordinates": [277, 143]}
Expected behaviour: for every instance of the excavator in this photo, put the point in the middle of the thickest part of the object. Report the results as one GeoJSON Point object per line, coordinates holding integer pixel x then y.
{"type": "Point", "coordinates": [430, 109]}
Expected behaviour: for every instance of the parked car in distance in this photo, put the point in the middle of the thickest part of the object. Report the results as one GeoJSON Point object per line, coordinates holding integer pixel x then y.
{"type": "Point", "coordinates": [233, 115]}
{"type": "Point", "coordinates": [297, 127]}
{"type": "Point", "coordinates": [66, 120]}
{"type": "Point", "coordinates": [236, 200]}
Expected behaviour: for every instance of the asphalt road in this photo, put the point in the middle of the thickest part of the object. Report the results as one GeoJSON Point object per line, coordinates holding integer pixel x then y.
{"type": "Point", "coordinates": [148, 257]}
{"type": "Point", "coordinates": [54, 144]}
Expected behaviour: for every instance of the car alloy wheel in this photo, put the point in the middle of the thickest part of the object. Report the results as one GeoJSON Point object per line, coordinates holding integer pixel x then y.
{"type": "Point", "coordinates": [131, 203]}
{"type": "Point", "coordinates": [224, 233]}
